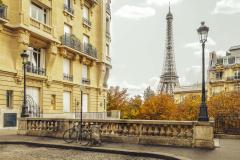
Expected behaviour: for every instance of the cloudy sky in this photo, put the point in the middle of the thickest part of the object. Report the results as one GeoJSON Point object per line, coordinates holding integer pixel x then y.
{"type": "Point", "coordinates": [139, 31]}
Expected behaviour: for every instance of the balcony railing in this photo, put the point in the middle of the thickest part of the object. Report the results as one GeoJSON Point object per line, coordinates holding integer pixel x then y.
{"type": "Point", "coordinates": [89, 50]}
{"type": "Point", "coordinates": [92, 2]}
{"type": "Point", "coordinates": [36, 70]}
{"type": "Point", "coordinates": [86, 81]}
{"type": "Point", "coordinates": [3, 11]}
{"type": "Point", "coordinates": [87, 22]}
{"type": "Point", "coordinates": [108, 8]}
{"type": "Point", "coordinates": [234, 78]}
{"type": "Point", "coordinates": [68, 9]}
{"type": "Point", "coordinates": [44, 27]}
{"type": "Point", "coordinates": [73, 42]}
{"type": "Point", "coordinates": [67, 77]}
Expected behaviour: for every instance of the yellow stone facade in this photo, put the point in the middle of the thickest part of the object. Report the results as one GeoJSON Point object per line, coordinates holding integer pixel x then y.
{"type": "Point", "coordinates": [40, 24]}
{"type": "Point", "coordinates": [224, 72]}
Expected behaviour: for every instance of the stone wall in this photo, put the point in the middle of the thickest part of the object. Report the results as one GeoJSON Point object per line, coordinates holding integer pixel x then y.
{"type": "Point", "coordinates": [171, 133]}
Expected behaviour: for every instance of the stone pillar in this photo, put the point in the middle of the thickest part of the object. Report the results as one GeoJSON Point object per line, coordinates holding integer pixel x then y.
{"type": "Point", "coordinates": [203, 135]}
{"type": "Point", "coordinates": [22, 126]}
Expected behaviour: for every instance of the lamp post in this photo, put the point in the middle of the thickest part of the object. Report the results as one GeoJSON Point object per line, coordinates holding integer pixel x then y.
{"type": "Point", "coordinates": [203, 33]}
{"type": "Point", "coordinates": [24, 56]}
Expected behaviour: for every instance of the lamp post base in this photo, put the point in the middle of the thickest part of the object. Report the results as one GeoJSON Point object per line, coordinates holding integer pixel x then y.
{"type": "Point", "coordinates": [203, 114]}
{"type": "Point", "coordinates": [24, 111]}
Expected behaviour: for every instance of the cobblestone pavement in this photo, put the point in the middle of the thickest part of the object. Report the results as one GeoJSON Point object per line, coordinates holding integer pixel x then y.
{"type": "Point", "coordinates": [22, 152]}
{"type": "Point", "coordinates": [229, 149]}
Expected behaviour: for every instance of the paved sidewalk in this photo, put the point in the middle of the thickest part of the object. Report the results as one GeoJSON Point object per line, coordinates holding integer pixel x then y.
{"type": "Point", "coordinates": [229, 148]}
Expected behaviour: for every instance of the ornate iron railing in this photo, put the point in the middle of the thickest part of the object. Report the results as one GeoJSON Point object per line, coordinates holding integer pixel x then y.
{"type": "Point", "coordinates": [71, 41]}
{"type": "Point", "coordinates": [36, 70]}
{"type": "Point", "coordinates": [86, 81]}
{"type": "Point", "coordinates": [33, 108]}
{"type": "Point", "coordinates": [3, 11]}
{"type": "Point", "coordinates": [227, 124]}
{"type": "Point", "coordinates": [90, 50]}
{"type": "Point", "coordinates": [67, 77]}
{"type": "Point", "coordinates": [68, 9]}
{"type": "Point", "coordinates": [87, 22]}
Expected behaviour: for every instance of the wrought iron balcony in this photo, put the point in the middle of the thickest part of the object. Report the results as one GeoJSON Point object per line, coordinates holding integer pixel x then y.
{"type": "Point", "coordinates": [68, 9]}
{"type": "Point", "coordinates": [3, 11]}
{"type": "Point", "coordinates": [67, 77]}
{"type": "Point", "coordinates": [90, 50]}
{"type": "Point", "coordinates": [234, 78]}
{"type": "Point", "coordinates": [35, 70]}
{"type": "Point", "coordinates": [87, 22]}
{"type": "Point", "coordinates": [86, 81]}
{"type": "Point", "coordinates": [71, 41]}
{"type": "Point", "coordinates": [108, 8]}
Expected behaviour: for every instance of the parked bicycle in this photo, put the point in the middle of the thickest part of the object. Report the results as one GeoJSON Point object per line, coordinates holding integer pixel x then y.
{"type": "Point", "coordinates": [84, 134]}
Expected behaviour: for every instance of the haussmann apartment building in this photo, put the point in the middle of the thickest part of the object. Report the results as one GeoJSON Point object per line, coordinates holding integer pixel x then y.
{"type": "Point", "coordinates": [69, 62]}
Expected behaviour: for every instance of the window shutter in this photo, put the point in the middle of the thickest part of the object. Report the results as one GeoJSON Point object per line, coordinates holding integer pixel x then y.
{"type": "Point", "coordinates": [42, 58]}
{"type": "Point", "coordinates": [66, 101]}
{"type": "Point", "coordinates": [85, 103]}
{"type": "Point", "coordinates": [85, 71]}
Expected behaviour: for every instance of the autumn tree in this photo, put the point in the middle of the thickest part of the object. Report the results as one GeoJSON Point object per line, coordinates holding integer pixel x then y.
{"type": "Point", "coordinates": [158, 107]}
{"type": "Point", "coordinates": [133, 107]}
{"type": "Point", "coordinates": [117, 99]}
{"type": "Point", "coordinates": [148, 92]}
{"type": "Point", "coordinates": [226, 103]}
{"type": "Point", "coordinates": [189, 108]}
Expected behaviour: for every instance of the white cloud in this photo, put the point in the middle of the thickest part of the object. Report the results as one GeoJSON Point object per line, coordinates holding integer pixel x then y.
{"type": "Point", "coordinates": [162, 2]}
{"type": "Point", "coordinates": [135, 12]}
{"type": "Point", "coordinates": [136, 89]}
{"type": "Point", "coordinates": [227, 7]}
{"type": "Point", "coordinates": [221, 53]}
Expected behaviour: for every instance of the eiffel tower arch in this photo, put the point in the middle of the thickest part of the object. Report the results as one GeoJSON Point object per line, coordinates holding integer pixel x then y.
{"type": "Point", "coordinates": [169, 78]}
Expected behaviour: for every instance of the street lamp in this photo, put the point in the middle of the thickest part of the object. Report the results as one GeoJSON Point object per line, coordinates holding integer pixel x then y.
{"type": "Point", "coordinates": [203, 33]}
{"type": "Point", "coordinates": [24, 56]}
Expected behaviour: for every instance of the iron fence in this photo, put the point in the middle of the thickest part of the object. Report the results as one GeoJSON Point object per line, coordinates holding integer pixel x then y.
{"type": "Point", "coordinates": [227, 124]}
{"type": "Point", "coordinates": [36, 70]}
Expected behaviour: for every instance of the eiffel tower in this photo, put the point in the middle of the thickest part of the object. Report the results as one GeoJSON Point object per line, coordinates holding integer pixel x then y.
{"type": "Point", "coordinates": [169, 79]}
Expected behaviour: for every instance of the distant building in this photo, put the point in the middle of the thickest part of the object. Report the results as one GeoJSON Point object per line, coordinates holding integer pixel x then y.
{"type": "Point", "coordinates": [181, 93]}
{"type": "Point", "coordinates": [224, 71]}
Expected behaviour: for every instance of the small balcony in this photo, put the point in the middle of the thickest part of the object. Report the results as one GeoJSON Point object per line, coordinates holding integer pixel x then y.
{"type": "Point", "coordinates": [108, 8]}
{"type": "Point", "coordinates": [233, 78]}
{"type": "Point", "coordinates": [41, 26]}
{"type": "Point", "coordinates": [68, 9]}
{"type": "Point", "coordinates": [87, 23]}
{"type": "Point", "coordinates": [3, 13]}
{"type": "Point", "coordinates": [73, 42]}
{"type": "Point", "coordinates": [35, 70]}
{"type": "Point", "coordinates": [86, 81]}
{"type": "Point", "coordinates": [90, 50]}
{"type": "Point", "coordinates": [67, 77]}
{"type": "Point", "coordinates": [92, 2]}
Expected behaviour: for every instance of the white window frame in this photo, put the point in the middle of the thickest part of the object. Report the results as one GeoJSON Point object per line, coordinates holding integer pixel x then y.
{"type": "Point", "coordinates": [67, 29]}
{"type": "Point", "coordinates": [85, 72]}
{"type": "Point", "coordinates": [86, 12]}
{"type": "Point", "coordinates": [41, 13]}
{"type": "Point", "coordinates": [37, 57]}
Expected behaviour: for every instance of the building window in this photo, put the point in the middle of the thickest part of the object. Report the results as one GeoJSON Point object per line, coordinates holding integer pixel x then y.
{"type": "Point", "coordinates": [220, 61]}
{"type": "Point", "coordinates": [36, 61]}
{"type": "Point", "coordinates": [86, 12]}
{"type": "Point", "coordinates": [68, 6]}
{"type": "Point", "coordinates": [85, 43]}
{"type": "Point", "coordinates": [39, 13]}
{"type": "Point", "coordinates": [231, 60]}
{"type": "Point", "coordinates": [67, 29]}
{"type": "Point", "coordinates": [237, 74]}
{"type": "Point", "coordinates": [108, 25]}
{"type": "Point", "coordinates": [67, 70]}
{"type": "Point", "coordinates": [9, 98]}
{"type": "Point", "coordinates": [219, 75]}
{"type": "Point", "coordinates": [85, 74]}
{"type": "Point", "coordinates": [66, 102]}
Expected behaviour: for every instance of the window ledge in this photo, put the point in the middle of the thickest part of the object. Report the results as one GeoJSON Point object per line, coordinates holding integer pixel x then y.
{"type": "Point", "coordinates": [86, 25]}
{"type": "Point", "coordinates": [66, 13]}
{"type": "Point", "coordinates": [3, 21]}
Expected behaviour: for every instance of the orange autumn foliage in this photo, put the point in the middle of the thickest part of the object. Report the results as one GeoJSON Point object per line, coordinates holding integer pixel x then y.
{"type": "Point", "coordinates": [158, 107]}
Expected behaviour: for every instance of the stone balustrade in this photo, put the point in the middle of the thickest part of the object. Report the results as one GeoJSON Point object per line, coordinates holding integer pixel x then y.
{"type": "Point", "coordinates": [174, 133]}
{"type": "Point", "coordinates": [40, 26]}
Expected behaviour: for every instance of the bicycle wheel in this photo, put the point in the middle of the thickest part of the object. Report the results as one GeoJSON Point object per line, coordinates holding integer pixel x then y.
{"type": "Point", "coordinates": [85, 137]}
{"type": "Point", "coordinates": [70, 135]}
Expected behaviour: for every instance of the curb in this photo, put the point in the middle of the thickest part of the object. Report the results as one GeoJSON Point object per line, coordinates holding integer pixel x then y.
{"type": "Point", "coordinates": [157, 155]}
